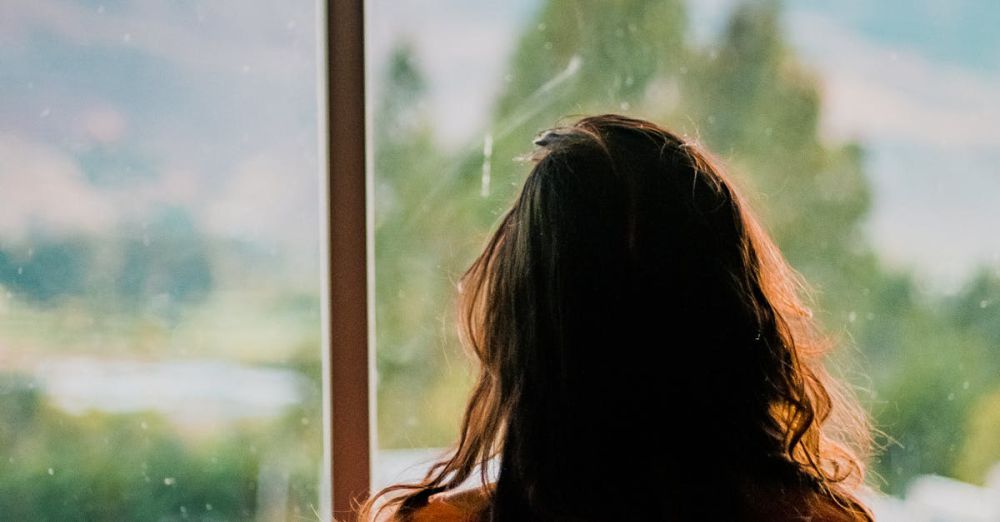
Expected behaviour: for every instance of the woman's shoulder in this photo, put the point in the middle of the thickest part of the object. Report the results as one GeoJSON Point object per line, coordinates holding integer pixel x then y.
{"type": "Point", "coordinates": [765, 501]}
{"type": "Point", "coordinates": [453, 506]}
{"type": "Point", "coordinates": [801, 501]}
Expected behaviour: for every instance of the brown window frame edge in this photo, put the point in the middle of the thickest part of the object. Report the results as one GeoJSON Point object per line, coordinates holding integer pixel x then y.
{"type": "Point", "coordinates": [348, 364]}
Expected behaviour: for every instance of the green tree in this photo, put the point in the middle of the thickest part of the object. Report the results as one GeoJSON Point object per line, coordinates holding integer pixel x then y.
{"type": "Point", "coordinates": [48, 270]}
{"type": "Point", "coordinates": [168, 257]}
{"type": "Point", "coordinates": [415, 232]}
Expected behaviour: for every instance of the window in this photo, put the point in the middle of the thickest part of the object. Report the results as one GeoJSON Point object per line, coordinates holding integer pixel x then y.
{"type": "Point", "coordinates": [165, 226]}
{"type": "Point", "coordinates": [160, 261]}
{"type": "Point", "coordinates": [857, 133]}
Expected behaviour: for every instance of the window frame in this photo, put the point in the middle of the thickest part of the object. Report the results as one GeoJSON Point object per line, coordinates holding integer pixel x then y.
{"type": "Point", "coordinates": [348, 361]}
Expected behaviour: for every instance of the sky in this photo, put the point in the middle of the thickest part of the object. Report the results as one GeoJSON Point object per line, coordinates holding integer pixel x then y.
{"type": "Point", "coordinates": [126, 107]}
{"type": "Point", "coordinates": [113, 111]}
{"type": "Point", "coordinates": [915, 82]}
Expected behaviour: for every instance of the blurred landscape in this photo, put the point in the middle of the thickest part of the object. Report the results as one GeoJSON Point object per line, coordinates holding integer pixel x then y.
{"type": "Point", "coordinates": [160, 325]}
{"type": "Point", "coordinates": [160, 224]}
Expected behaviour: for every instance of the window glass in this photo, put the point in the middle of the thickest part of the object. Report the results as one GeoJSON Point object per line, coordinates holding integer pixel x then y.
{"type": "Point", "coordinates": [159, 260]}
{"type": "Point", "coordinates": [861, 133]}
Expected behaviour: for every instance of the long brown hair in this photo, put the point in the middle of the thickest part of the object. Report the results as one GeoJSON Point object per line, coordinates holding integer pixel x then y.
{"type": "Point", "coordinates": [644, 349]}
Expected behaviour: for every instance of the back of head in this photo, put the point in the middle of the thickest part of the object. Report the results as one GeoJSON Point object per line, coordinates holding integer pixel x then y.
{"type": "Point", "coordinates": [643, 349]}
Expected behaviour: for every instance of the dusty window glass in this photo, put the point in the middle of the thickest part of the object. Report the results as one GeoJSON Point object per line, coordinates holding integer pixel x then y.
{"type": "Point", "coordinates": [863, 136]}
{"type": "Point", "coordinates": [159, 260]}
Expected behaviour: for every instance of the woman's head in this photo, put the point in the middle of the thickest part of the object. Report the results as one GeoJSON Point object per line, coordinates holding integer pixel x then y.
{"type": "Point", "coordinates": [642, 343]}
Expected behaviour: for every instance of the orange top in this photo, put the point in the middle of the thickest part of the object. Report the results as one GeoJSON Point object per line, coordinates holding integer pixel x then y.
{"type": "Point", "coordinates": [461, 506]}
{"type": "Point", "coordinates": [467, 505]}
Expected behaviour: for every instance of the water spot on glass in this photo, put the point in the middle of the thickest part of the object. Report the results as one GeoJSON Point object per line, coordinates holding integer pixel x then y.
{"type": "Point", "coordinates": [45, 113]}
{"type": "Point", "coordinates": [508, 78]}
{"type": "Point", "coordinates": [305, 421]}
{"type": "Point", "coordinates": [169, 481]}
{"type": "Point", "coordinates": [852, 316]}
{"type": "Point", "coordinates": [290, 25]}
{"type": "Point", "coordinates": [632, 28]}
{"type": "Point", "coordinates": [100, 9]}
{"type": "Point", "coordinates": [145, 240]}
{"type": "Point", "coordinates": [31, 252]}
{"type": "Point", "coordinates": [184, 512]}
{"type": "Point", "coordinates": [548, 45]}
{"type": "Point", "coordinates": [683, 69]}
{"type": "Point", "coordinates": [984, 303]}
{"type": "Point", "coordinates": [52, 471]}
{"type": "Point", "coordinates": [711, 119]}
{"type": "Point", "coordinates": [20, 270]}
{"type": "Point", "coordinates": [143, 425]}
{"type": "Point", "coordinates": [541, 27]}
{"type": "Point", "coordinates": [768, 131]}
{"type": "Point", "coordinates": [245, 69]}
{"type": "Point", "coordinates": [208, 507]}
{"type": "Point", "coordinates": [625, 105]}
{"type": "Point", "coordinates": [629, 80]}
{"type": "Point", "coordinates": [870, 316]}
{"type": "Point", "coordinates": [951, 396]}
{"type": "Point", "coordinates": [127, 37]}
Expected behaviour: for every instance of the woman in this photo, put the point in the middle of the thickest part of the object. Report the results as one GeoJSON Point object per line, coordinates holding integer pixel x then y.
{"type": "Point", "coordinates": [644, 353]}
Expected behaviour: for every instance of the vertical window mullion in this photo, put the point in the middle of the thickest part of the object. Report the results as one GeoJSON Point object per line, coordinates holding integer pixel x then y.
{"type": "Point", "coordinates": [348, 365]}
